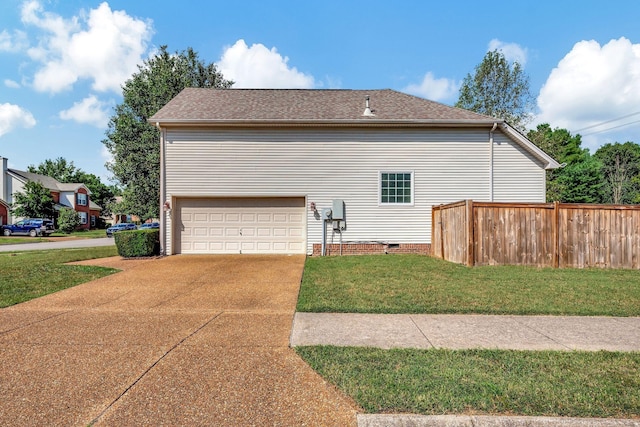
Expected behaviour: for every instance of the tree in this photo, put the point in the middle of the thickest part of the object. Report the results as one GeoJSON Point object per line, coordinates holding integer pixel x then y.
{"type": "Point", "coordinates": [498, 89]}
{"type": "Point", "coordinates": [58, 169]}
{"type": "Point", "coordinates": [34, 201]}
{"type": "Point", "coordinates": [581, 182]}
{"type": "Point", "coordinates": [68, 220]}
{"type": "Point", "coordinates": [565, 149]}
{"type": "Point", "coordinates": [132, 141]}
{"type": "Point", "coordinates": [621, 168]}
{"type": "Point", "coordinates": [67, 172]}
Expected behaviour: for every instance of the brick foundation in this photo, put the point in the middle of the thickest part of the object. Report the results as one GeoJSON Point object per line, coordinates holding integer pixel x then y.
{"type": "Point", "coordinates": [374, 248]}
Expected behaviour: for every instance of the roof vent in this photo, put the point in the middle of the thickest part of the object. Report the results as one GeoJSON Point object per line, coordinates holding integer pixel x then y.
{"type": "Point", "coordinates": [367, 111]}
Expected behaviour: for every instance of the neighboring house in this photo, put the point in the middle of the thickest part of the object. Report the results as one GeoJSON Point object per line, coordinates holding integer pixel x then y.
{"type": "Point", "coordinates": [117, 218]}
{"type": "Point", "coordinates": [254, 170]}
{"type": "Point", "coordinates": [71, 195]}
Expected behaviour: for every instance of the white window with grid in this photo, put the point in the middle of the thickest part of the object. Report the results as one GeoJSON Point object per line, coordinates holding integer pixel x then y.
{"type": "Point", "coordinates": [396, 188]}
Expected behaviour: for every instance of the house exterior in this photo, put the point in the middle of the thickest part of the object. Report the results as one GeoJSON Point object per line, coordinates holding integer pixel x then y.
{"type": "Point", "coordinates": [258, 170]}
{"type": "Point", "coordinates": [71, 195]}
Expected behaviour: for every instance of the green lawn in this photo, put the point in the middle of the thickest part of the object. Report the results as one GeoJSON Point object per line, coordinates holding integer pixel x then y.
{"type": "Point", "coordinates": [85, 234]}
{"type": "Point", "coordinates": [13, 240]}
{"type": "Point", "coordinates": [571, 384]}
{"type": "Point", "coordinates": [31, 274]}
{"type": "Point", "coordinates": [420, 284]}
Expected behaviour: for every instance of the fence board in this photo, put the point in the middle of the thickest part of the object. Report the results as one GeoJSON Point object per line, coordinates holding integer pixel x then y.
{"type": "Point", "coordinates": [539, 234]}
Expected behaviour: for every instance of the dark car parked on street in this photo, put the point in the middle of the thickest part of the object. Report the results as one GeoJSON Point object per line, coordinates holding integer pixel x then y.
{"type": "Point", "coordinates": [120, 227]}
{"type": "Point", "coordinates": [31, 226]}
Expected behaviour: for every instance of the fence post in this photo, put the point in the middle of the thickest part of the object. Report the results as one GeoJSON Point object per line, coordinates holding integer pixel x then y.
{"type": "Point", "coordinates": [556, 234]}
{"type": "Point", "coordinates": [470, 221]}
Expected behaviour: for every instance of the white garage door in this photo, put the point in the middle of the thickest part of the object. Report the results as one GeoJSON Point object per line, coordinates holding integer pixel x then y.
{"type": "Point", "coordinates": [248, 226]}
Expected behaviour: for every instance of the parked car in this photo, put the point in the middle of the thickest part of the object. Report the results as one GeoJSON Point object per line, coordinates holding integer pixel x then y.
{"type": "Point", "coordinates": [30, 226]}
{"type": "Point", "coordinates": [120, 227]}
{"type": "Point", "coordinates": [149, 225]}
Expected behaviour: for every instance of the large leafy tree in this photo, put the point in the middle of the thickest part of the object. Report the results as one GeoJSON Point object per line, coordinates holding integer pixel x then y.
{"type": "Point", "coordinates": [621, 170]}
{"type": "Point", "coordinates": [34, 201]}
{"type": "Point", "coordinates": [64, 171]}
{"type": "Point", "coordinates": [567, 150]}
{"type": "Point", "coordinates": [499, 89]}
{"type": "Point", "coordinates": [132, 141]}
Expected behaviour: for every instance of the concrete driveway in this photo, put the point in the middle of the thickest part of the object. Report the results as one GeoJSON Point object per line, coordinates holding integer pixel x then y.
{"type": "Point", "coordinates": [182, 340]}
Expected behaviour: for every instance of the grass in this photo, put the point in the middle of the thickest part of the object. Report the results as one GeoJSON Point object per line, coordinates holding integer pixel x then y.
{"type": "Point", "coordinates": [571, 384]}
{"type": "Point", "coordinates": [419, 284]}
{"type": "Point", "coordinates": [31, 274]}
{"type": "Point", "coordinates": [13, 240]}
{"type": "Point", "coordinates": [85, 234]}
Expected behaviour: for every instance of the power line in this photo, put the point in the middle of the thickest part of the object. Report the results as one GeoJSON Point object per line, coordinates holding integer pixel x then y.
{"type": "Point", "coordinates": [611, 128]}
{"type": "Point", "coordinates": [608, 121]}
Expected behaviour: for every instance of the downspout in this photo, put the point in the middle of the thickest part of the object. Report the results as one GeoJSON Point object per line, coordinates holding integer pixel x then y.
{"type": "Point", "coordinates": [495, 125]}
{"type": "Point", "coordinates": [163, 213]}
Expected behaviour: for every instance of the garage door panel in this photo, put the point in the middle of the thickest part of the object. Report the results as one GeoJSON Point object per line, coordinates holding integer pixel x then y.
{"type": "Point", "coordinates": [200, 231]}
{"type": "Point", "coordinates": [261, 225]}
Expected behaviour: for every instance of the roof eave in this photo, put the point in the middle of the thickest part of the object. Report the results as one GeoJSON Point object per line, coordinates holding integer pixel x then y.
{"type": "Point", "coordinates": [548, 161]}
{"type": "Point", "coordinates": [320, 123]}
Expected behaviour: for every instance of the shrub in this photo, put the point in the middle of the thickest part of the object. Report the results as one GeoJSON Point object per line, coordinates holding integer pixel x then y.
{"type": "Point", "coordinates": [137, 243]}
{"type": "Point", "coordinates": [68, 220]}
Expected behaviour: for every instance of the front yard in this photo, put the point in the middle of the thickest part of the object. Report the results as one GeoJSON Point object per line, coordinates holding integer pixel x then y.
{"type": "Point", "coordinates": [502, 382]}
{"type": "Point", "coordinates": [419, 284]}
{"type": "Point", "coordinates": [32, 274]}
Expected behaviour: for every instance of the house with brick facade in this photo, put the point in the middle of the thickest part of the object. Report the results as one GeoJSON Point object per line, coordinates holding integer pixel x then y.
{"type": "Point", "coordinates": [312, 171]}
{"type": "Point", "coordinates": [70, 195]}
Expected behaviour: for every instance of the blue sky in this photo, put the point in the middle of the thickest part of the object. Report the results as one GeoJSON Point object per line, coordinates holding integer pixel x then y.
{"type": "Point", "coordinates": [62, 61]}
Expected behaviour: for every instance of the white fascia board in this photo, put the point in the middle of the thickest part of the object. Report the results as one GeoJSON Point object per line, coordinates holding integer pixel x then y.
{"type": "Point", "coordinates": [549, 162]}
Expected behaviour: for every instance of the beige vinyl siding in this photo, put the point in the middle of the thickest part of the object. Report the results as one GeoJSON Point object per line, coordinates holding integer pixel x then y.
{"type": "Point", "coordinates": [324, 164]}
{"type": "Point", "coordinates": [517, 175]}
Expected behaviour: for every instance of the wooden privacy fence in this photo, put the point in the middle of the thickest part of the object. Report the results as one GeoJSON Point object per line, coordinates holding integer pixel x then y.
{"type": "Point", "coordinates": [538, 234]}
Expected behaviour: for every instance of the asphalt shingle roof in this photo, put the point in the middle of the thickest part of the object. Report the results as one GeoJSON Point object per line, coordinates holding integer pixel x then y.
{"type": "Point", "coordinates": [307, 105]}
{"type": "Point", "coordinates": [47, 181]}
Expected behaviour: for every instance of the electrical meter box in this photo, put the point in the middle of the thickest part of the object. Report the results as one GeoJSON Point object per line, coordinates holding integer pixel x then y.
{"type": "Point", "coordinates": [326, 213]}
{"type": "Point", "coordinates": [338, 210]}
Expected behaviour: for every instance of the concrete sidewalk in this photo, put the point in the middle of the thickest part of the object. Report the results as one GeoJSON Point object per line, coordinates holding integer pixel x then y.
{"type": "Point", "coordinates": [467, 331]}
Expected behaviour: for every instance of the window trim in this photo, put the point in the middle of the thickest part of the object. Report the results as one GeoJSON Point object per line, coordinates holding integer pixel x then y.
{"type": "Point", "coordinates": [83, 218]}
{"type": "Point", "coordinates": [396, 171]}
{"type": "Point", "coordinates": [84, 201]}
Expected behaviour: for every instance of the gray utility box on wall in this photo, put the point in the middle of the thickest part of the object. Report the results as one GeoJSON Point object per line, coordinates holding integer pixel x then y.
{"type": "Point", "coordinates": [338, 210]}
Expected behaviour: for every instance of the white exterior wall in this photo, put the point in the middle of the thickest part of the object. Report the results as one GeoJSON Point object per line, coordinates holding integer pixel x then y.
{"type": "Point", "coordinates": [448, 165]}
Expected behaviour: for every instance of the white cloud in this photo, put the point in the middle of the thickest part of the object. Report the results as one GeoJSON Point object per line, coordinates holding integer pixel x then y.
{"type": "Point", "coordinates": [442, 89]}
{"type": "Point", "coordinates": [89, 111]}
{"type": "Point", "coordinates": [512, 52]}
{"type": "Point", "coordinates": [259, 67]}
{"type": "Point", "coordinates": [12, 43]}
{"type": "Point", "coordinates": [11, 84]}
{"type": "Point", "coordinates": [592, 84]}
{"type": "Point", "coordinates": [103, 46]}
{"type": "Point", "coordinates": [12, 116]}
